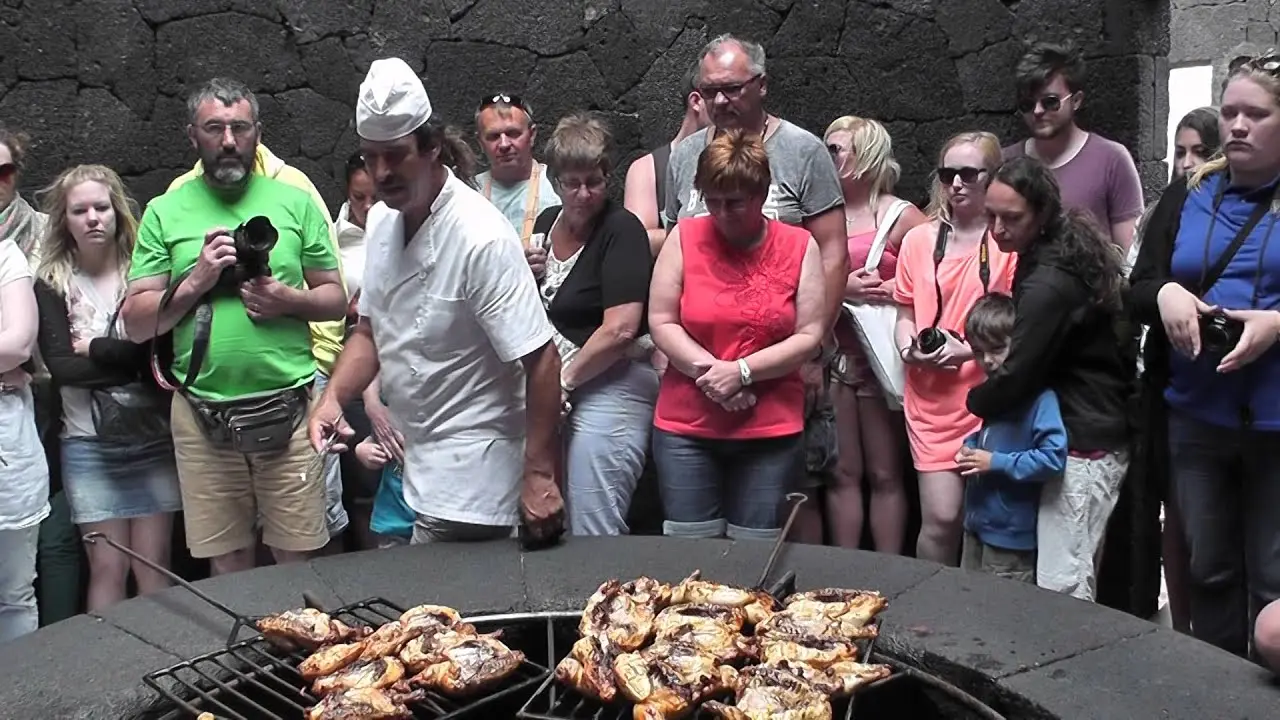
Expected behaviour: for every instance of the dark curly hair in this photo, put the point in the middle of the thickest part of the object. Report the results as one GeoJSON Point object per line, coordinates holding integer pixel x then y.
{"type": "Point", "coordinates": [1068, 238]}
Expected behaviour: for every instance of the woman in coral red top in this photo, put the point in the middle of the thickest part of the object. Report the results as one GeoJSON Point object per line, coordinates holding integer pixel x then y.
{"type": "Point", "coordinates": [944, 286]}
{"type": "Point", "coordinates": [736, 303]}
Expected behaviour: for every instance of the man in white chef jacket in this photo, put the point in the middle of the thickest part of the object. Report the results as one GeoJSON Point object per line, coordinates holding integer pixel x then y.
{"type": "Point", "coordinates": [448, 313]}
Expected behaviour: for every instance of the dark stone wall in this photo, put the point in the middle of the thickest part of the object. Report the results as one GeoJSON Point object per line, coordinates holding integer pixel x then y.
{"type": "Point", "coordinates": [1212, 32]}
{"type": "Point", "coordinates": [104, 80]}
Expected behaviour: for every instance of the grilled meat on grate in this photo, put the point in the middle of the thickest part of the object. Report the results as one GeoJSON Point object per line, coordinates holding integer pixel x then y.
{"type": "Point", "coordinates": [767, 693]}
{"type": "Point", "coordinates": [808, 618]}
{"type": "Point", "coordinates": [365, 704]}
{"type": "Point", "coordinates": [308, 628]}
{"type": "Point", "coordinates": [852, 606]}
{"type": "Point", "coordinates": [622, 614]}
{"type": "Point", "coordinates": [467, 664]}
{"type": "Point", "coordinates": [839, 679]}
{"type": "Point", "coordinates": [817, 651]}
{"type": "Point", "coordinates": [329, 660]}
{"type": "Point", "coordinates": [666, 680]}
{"type": "Point", "coordinates": [757, 604]}
{"type": "Point", "coordinates": [589, 669]}
{"type": "Point", "coordinates": [381, 673]}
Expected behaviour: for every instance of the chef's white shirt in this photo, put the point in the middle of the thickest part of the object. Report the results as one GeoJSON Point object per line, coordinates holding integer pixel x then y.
{"type": "Point", "coordinates": [453, 311]}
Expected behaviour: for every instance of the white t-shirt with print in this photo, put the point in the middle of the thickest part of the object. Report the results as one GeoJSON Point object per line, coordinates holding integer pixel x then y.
{"type": "Point", "coordinates": [453, 312]}
{"type": "Point", "coordinates": [24, 496]}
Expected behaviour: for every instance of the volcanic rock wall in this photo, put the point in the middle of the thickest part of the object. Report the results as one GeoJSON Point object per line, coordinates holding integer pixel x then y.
{"type": "Point", "coordinates": [1212, 32]}
{"type": "Point", "coordinates": [105, 80]}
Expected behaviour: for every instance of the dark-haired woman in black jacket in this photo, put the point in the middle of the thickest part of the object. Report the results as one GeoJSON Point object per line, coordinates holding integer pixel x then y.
{"type": "Point", "coordinates": [1069, 338]}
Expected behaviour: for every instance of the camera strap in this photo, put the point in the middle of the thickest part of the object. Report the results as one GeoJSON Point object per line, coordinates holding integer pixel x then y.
{"type": "Point", "coordinates": [1210, 275]}
{"type": "Point", "coordinates": [203, 315]}
{"type": "Point", "coordinates": [940, 251]}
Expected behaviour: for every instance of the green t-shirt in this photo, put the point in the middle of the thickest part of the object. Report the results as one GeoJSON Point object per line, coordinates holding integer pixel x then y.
{"type": "Point", "coordinates": [244, 357]}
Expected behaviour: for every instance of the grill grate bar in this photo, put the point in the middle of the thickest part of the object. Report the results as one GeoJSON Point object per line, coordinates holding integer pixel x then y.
{"type": "Point", "coordinates": [302, 695]}
{"type": "Point", "coordinates": [215, 680]}
{"type": "Point", "coordinates": [213, 703]}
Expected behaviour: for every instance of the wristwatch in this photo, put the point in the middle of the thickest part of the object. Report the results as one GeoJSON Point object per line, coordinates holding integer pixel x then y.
{"type": "Point", "coordinates": [744, 372]}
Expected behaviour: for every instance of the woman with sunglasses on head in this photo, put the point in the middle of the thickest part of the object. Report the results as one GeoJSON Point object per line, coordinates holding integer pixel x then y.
{"type": "Point", "coordinates": [944, 266]}
{"type": "Point", "coordinates": [595, 287]}
{"type": "Point", "coordinates": [1067, 338]}
{"type": "Point", "coordinates": [1208, 282]}
{"type": "Point", "coordinates": [117, 451]}
{"type": "Point", "coordinates": [867, 430]}
{"type": "Point", "coordinates": [736, 303]}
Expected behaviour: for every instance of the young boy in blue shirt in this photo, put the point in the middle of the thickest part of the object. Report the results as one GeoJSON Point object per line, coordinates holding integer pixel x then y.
{"type": "Point", "coordinates": [392, 519]}
{"type": "Point", "coordinates": [1006, 461]}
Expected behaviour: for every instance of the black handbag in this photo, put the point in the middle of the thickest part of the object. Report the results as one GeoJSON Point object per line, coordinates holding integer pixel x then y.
{"type": "Point", "coordinates": [132, 413]}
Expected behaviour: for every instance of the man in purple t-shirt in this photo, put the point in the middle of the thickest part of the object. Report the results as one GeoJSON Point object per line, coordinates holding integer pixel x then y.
{"type": "Point", "coordinates": [1097, 175]}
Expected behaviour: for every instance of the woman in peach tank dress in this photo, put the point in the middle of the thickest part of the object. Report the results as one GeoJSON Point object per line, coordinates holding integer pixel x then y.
{"type": "Point", "coordinates": [938, 382]}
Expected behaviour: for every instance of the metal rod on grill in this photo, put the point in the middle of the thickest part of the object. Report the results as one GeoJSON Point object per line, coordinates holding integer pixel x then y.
{"type": "Point", "coordinates": [93, 538]}
{"type": "Point", "coordinates": [796, 499]}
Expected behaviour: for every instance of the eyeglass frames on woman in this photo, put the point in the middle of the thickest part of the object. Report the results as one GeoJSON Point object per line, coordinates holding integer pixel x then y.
{"type": "Point", "coordinates": [1050, 103]}
{"type": "Point", "coordinates": [947, 175]}
{"type": "Point", "coordinates": [504, 99]}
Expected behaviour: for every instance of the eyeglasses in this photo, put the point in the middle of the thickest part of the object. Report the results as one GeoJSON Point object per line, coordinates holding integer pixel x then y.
{"type": "Point", "coordinates": [731, 92]}
{"type": "Point", "coordinates": [504, 99]}
{"type": "Point", "coordinates": [7, 171]}
{"type": "Point", "coordinates": [1050, 103]}
{"type": "Point", "coordinates": [1269, 64]}
{"type": "Point", "coordinates": [238, 128]}
{"type": "Point", "coordinates": [572, 186]}
{"type": "Point", "coordinates": [947, 175]}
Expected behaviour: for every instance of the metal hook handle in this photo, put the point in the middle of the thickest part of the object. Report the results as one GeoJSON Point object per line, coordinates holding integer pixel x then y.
{"type": "Point", "coordinates": [796, 500]}
{"type": "Point", "coordinates": [94, 538]}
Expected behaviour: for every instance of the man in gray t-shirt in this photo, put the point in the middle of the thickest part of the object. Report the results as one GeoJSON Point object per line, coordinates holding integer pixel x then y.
{"type": "Point", "coordinates": [805, 183]}
{"type": "Point", "coordinates": [805, 191]}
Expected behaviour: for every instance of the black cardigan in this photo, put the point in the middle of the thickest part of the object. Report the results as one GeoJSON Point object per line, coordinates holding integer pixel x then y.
{"type": "Point", "coordinates": [1064, 342]}
{"type": "Point", "coordinates": [110, 363]}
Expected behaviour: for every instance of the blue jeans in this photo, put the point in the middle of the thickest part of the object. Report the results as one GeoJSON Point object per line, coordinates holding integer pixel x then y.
{"type": "Point", "coordinates": [1227, 482]}
{"type": "Point", "coordinates": [606, 435]}
{"type": "Point", "coordinates": [713, 488]}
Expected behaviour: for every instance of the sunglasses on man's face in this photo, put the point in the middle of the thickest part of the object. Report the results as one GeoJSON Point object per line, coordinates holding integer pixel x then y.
{"type": "Point", "coordinates": [1050, 103]}
{"type": "Point", "coordinates": [8, 171]}
{"type": "Point", "coordinates": [947, 175]}
{"type": "Point", "coordinates": [507, 100]}
{"type": "Point", "coordinates": [1269, 64]}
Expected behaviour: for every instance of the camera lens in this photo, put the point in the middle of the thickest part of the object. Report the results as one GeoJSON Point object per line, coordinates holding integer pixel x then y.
{"type": "Point", "coordinates": [929, 340]}
{"type": "Point", "coordinates": [260, 234]}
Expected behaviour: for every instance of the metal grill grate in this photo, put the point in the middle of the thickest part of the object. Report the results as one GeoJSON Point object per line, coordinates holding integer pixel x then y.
{"type": "Point", "coordinates": [255, 680]}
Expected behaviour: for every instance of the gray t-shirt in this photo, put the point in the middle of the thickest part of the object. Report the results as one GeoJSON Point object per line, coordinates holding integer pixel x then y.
{"type": "Point", "coordinates": [805, 182]}
{"type": "Point", "coordinates": [513, 200]}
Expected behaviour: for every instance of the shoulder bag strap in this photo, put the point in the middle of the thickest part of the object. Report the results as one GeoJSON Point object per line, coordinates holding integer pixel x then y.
{"type": "Point", "coordinates": [882, 235]}
{"type": "Point", "coordinates": [661, 158]}
{"type": "Point", "coordinates": [531, 204]}
{"type": "Point", "coordinates": [1212, 273]}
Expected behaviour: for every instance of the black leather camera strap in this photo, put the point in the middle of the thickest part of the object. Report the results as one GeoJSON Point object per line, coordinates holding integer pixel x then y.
{"type": "Point", "coordinates": [1210, 275]}
{"type": "Point", "coordinates": [940, 252]}
{"type": "Point", "coordinates": [203, 314]}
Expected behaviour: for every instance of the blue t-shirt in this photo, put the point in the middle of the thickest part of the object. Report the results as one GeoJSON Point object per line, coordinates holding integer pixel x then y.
{"type": "Point", "coordinates": [391, 514]}
{"type": "Point", "coordinates": [1196, 388]}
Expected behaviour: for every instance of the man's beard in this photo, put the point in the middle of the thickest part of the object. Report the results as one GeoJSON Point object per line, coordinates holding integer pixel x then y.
{"type": "Point", "coordinates": [1050, 130]}
{"type": "Point", "coordinates": [220, 173]}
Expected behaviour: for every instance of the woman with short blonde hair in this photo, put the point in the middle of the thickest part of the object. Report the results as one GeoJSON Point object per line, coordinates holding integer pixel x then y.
{"type": "Point", "coordinates": [868, 433]}
{"type": "Point", "coordinates": [118, 465]}
{"type": "Point", "coordinates": [736, 303]}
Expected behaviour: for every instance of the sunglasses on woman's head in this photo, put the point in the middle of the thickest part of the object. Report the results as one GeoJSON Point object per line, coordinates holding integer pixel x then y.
{"type": "Point", "coordinates": [1269, 64]}
{"type": "Point", "coordinates": [1050, 103]}
{"type": "Point", "coordinates": [947, 175]}
{"type": "Point", "coordinates": [504, 99]}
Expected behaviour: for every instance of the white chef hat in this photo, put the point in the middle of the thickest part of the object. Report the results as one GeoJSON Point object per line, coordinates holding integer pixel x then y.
{"type": "Point", "coordinates": [392, 101]}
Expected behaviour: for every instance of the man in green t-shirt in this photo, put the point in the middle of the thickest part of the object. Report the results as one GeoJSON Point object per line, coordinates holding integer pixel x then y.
{"type": "Point", "coordinates": [259, 345]}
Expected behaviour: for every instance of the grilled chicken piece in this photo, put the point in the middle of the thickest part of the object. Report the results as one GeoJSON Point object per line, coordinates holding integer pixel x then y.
{"type": "Point", "coordinates": [622, 614]}
{"type": "Point", "coordinates": [307, 627]}
{"type": "Point", "coordinates": [818, 652]}
{"type": "Point", "coordinates": [388, 639]}
{"type": "Point", "coordinates": [365, 704]}
{"type": "Point", "coordinates": [860, 606]}
{"type": "Point", "coordinates": [700, 613]}
{"type": "Point", "coordinates": [589, 669]}
{"type": "Point", "coordinates": [426, 649]}
{"type": "Point", "coordinates": [329, 660]}
{"type": "Point", "coordinates": [810, 618]}
{"type": "Point", "coordinates": [757, 604]}
{"type": "Point", "coordinates": [839, 679]}
{"type": "Point", "coordinates": [381, 673]}
{"type": "Point", "coordinates": [667, 680]}
{"type": "Point", "coordinates": [466, 664]}
{"type": "Point", "coordinates": [432, 618]}
{"type": "Point", "coordinates": [767, 693]}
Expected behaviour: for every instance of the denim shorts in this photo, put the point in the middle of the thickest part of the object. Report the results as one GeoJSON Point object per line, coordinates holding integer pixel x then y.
{"type": "Point", "coordinates": [113, 481]}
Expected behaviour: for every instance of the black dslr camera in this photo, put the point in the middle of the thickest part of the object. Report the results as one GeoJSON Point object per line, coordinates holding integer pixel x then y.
{"type": "Point", "coordinates": [1219, 333]}
{"type": "Point", "coordinates": [929, 340]}
{"type": "Point", "coordinates": [253, 241]}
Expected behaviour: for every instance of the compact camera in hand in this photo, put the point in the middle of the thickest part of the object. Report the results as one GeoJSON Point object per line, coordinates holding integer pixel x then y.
{"type": "Point", "coordinates": [254, 240]}
{"type": "Point", "coordinates": [1219, 334]}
